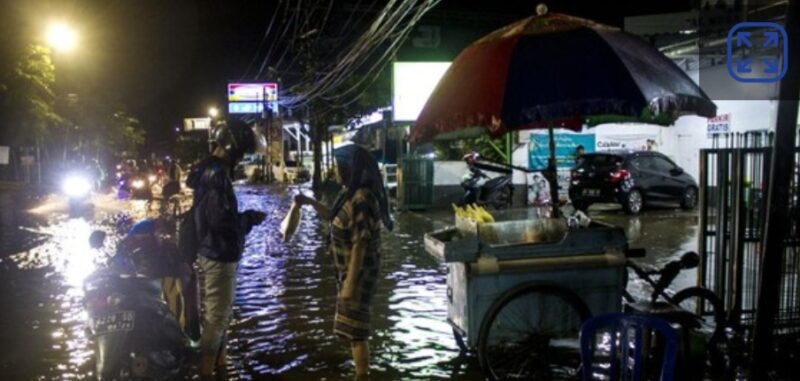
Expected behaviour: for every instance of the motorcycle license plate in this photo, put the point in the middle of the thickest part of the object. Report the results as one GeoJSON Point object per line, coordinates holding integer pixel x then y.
{"type": "Point", "coordinates": [116, 322]}
{"type": "Point", "coordinates": [591, 192]}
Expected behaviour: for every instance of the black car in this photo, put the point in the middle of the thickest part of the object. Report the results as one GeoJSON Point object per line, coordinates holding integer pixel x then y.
{"type": "Point", "coordinates": [633, 179]}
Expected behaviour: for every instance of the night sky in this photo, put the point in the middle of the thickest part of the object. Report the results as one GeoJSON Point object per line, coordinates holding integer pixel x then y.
{"type": "Point", "coordinates": [166, 60]}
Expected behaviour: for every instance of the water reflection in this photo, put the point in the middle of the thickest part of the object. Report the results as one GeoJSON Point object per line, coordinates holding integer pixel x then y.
{"type": "Point", "coordinates": [285, 299]}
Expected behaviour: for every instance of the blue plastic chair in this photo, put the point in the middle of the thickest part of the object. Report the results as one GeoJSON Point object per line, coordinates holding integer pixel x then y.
{"type": "Point", "coordinates": [625, 347]}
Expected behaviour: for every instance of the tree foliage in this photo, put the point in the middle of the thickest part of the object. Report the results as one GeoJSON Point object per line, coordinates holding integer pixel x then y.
{"type": "Point", "coordinates": [67, 122]}
{"type": "Point", "coordinates": [487, 147]}
{"type": "Point", "coordinates": [28, 97]}
{"type": "Point", "coordinates": [100, 125]}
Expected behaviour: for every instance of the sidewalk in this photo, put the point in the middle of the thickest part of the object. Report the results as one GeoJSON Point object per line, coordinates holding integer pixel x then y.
{"type": "Point", "coordinates": [17, 185]}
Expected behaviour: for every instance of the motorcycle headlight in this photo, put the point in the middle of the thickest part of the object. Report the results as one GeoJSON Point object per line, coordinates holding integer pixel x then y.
{"type": "Point", "coordinates": [152, 178]}
{"type": "Point", "coordinates": [138, 183]}
{"type": "Point", "coordinates": [76, 186]}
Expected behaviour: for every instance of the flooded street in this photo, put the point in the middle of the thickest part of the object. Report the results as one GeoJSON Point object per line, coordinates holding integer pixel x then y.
{"type": "Point", "coordinates": [285, 298]}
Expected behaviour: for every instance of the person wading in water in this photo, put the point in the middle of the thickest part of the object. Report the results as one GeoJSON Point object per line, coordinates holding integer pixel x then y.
{"type": "Point", "coordinates": [354, 244]}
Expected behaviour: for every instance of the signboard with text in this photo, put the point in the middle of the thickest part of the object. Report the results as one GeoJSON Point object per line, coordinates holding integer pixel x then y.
{"type": "Point", "coordinates": [720, 124]}
{"type": "Point", "coordinates": [252, 92]}
{"type": "Point", "coordinates": [539, 151]}
{"type": "Point", "coordinates": [625, 142]}
{"type": "Point", "coordinates": [192, 124]}
{"type": "Point", "coordinates": [250, 98]}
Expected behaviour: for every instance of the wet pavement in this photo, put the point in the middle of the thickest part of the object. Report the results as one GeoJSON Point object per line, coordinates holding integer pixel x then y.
{"type": "Point", "coordinates": [285, 295]}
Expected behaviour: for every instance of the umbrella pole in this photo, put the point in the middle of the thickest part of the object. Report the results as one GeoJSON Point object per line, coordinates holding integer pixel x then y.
{"type": "Point", "coordinates": [552, 174]}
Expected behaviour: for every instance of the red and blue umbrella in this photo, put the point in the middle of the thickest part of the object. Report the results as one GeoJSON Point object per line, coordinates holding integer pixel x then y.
{"type": "Point", "coordinates": [554, 70]}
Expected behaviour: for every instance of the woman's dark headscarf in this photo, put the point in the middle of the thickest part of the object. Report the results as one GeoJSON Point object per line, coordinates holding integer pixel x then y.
{"type": "Point", "coordinates": [359, 169]}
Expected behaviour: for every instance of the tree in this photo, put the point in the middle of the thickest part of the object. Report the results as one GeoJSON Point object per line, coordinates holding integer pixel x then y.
{"type": "Point", "coordinates": [28, 98]}
{"type": "Point", "coordinates": [100, 125]}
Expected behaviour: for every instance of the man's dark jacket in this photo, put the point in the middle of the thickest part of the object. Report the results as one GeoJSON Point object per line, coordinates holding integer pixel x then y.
{"type": "Point", "coordinates": [221, 229]}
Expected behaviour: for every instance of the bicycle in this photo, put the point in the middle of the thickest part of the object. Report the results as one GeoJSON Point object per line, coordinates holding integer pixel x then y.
{"type": "Point", "coordinates": [697, 310]}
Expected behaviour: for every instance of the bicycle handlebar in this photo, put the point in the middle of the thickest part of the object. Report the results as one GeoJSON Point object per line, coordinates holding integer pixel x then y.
{"type": "Point", "coordinates": [667, 274]}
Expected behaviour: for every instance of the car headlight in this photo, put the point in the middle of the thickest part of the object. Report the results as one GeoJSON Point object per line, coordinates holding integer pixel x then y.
{"type": "Point", "coordinates": [152, 178]}
{"type": "Point", "coordinates": [138, 183]}
{"type": "Point", "coordinates": [76, 186]}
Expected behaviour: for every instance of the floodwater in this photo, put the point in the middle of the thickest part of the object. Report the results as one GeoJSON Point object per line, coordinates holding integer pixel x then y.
{"type": "Point", "coordinates": [285, 297]}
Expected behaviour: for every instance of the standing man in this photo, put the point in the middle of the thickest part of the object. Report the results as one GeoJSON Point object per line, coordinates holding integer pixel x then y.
{"type": "Point", "coordinates": [579, 152]}
{"type": "Point", "coordinates": [220, 232]}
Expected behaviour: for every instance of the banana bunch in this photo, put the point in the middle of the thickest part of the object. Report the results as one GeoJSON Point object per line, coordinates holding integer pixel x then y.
{"type": "Point", "coordinates": [473, 212]}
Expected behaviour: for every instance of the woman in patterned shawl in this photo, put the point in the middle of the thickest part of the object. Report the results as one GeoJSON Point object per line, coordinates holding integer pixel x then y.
{"type": "Point", "coordinates": [356, 218]}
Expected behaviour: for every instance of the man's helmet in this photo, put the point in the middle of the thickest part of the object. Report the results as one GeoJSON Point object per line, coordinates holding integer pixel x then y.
{"type": "Point", "coordinates": [236, 137]}
{"type": "Point", "coordinates": [471, 157]}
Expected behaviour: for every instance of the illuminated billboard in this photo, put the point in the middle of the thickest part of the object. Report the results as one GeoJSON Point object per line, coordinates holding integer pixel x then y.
{"type": "Point", "coordinates": [250, 107]}
{"type": "Point", "coordinates": [413, 83]}
{"type": "Point", "coordinates": [252, 92]}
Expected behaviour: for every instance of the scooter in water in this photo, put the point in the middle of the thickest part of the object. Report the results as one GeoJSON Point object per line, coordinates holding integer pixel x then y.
{"type": "Point", "coordinates": [77, 187]}
{"type": "Point", "coordinates": [479, 189]}
{"type": "Point", "coordinates": [135, 334]}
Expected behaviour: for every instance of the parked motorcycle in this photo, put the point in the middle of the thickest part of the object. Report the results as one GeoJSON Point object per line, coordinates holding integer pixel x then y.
{"type": "Point", "coordinates": [480, 189]}
{"type": "Point", "coordinates": [135, 334]}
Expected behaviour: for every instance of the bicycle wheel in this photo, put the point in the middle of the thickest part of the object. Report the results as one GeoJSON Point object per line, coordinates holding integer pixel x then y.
{"type": "Point", "coordinates": [710, 313]}
{"type": "Point", "coordinates": [531, 333]}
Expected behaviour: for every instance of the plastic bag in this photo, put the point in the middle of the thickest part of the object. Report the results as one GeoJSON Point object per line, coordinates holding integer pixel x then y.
{"type": "Point", "coordinates": [290, 222]}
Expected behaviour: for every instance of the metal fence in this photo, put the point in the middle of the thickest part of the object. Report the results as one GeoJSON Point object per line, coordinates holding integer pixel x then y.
{"type": "Point", "coordinates": [415, 183]}
{"type": "Point", "coordinates": [733, 184]}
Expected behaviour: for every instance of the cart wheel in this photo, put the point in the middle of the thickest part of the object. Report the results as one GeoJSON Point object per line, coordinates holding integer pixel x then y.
{"type": "Point", "coordinates": [531, 333]}
{"type": "Point", "coordinates": [710, 313]}
{"type": "Point", "coordinates": [462, 346]}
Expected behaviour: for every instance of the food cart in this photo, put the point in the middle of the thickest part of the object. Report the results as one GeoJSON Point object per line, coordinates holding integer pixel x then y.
{"type": "Point", "coordinates": [518, 290]}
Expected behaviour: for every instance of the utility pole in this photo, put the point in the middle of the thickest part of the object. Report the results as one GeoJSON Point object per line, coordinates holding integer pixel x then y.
{"type": "Point", "coordinates": [776, 227]}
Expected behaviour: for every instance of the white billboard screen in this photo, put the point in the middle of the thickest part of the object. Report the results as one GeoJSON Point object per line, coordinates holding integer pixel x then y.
{"type": "Point", "coordinates": [413, 83]}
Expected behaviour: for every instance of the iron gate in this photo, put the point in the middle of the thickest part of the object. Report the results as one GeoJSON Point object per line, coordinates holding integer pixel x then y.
{"type": "Point", "coordinates": [733, 182]}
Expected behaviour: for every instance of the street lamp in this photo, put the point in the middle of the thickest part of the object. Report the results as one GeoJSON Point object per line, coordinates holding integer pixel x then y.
{"type": "Point", "coordinates": [213, 112]}
{"type": "Point", "coordinates": [61, 37]}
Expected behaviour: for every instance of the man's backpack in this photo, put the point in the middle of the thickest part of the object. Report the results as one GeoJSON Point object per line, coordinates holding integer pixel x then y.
{"type": "Point", "coordinates": [188, 241]}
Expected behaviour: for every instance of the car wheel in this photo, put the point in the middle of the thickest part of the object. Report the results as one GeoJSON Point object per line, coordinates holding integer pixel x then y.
{"type": "Point", "coordinates": [633, 202]}
{"type": "Point", "coordinates": [689, 200]}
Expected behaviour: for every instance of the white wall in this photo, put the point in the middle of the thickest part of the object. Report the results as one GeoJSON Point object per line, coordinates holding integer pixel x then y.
{"type": "Point", "coordinates": [448, 172]}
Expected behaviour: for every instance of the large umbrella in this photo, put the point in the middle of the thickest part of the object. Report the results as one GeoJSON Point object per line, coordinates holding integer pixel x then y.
{"type": "Point", "coordinates": [554, 70]}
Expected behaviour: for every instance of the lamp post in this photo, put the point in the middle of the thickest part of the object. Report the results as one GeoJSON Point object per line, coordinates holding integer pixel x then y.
{"type": "Point", "coordinates": [213, 113]}
{"type": "Point", "coordinates": [62, 38]}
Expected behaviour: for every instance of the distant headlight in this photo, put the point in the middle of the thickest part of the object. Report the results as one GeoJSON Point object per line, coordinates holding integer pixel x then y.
{"type": "Point", "coordinates": [76, 186]}
{"type": "Point", "coordinates": [138, 184]}
{"type": "Point", "coordinates": [152, 178]}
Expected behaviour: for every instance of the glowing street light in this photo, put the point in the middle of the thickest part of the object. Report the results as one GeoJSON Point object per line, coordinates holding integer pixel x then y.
{"type": "Point", "coordinates": [61, 37]}
{"type": "Point", "coordinates": [213, 112]}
